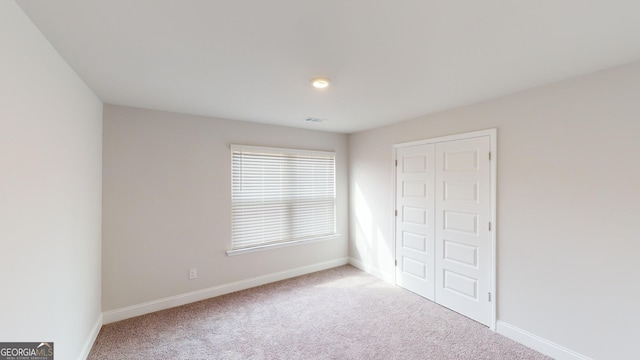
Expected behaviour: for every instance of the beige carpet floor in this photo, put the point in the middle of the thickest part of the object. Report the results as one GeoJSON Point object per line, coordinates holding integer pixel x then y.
{"type": "Point", "coordinates": [341, 313]}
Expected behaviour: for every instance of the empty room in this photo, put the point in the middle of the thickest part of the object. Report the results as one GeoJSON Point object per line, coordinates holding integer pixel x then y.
{"type": "Point", "coordinates": [320, 180]}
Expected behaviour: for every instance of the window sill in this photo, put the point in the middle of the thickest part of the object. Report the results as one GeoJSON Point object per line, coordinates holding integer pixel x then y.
{"type": "Point", "coordinates": [280, 245]}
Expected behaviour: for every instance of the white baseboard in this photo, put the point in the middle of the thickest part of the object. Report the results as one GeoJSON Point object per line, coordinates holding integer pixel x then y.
{"type": "Point", "coordinates": [86, 349]}
{"type": "Point", "coordinates": [183, 299]}
{"type": "Point", "coordinates": [390, 278]}
{"type": "Point", "coordinates": [537, 343]}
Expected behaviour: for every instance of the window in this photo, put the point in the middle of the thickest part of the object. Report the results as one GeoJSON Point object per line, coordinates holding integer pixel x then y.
{"type": "Point", "coordinates": [281, 196]}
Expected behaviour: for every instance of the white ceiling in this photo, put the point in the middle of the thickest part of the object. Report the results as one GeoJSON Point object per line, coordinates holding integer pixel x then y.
{"type": "Point", "coordinates": [388, 60]}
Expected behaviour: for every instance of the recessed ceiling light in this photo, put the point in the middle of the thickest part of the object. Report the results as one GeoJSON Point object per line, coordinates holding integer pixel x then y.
{"type": "Point", "coordinates": [320, 82]}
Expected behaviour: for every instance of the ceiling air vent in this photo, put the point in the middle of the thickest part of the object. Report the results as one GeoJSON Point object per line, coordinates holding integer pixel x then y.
{"type": "Point", "coordinates": [314, 120]}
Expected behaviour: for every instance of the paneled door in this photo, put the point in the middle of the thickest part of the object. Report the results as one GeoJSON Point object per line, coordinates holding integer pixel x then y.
{"type": "Point", "coordinates": [462, 262]}
{"type": "Point", "coordinates": [444, 212]}
{"type": "Point", "coordinates": [415, 232]}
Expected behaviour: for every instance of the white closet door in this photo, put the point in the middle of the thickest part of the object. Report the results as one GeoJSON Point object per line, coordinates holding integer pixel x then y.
{"type": "Point", "coordinates": [414, 219]}
{"type": "Point", "coordinates": [462, 235]}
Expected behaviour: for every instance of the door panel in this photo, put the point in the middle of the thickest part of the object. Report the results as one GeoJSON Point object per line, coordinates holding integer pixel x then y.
{"type": "Point", "coordinates": [460, 222]}
{"type": "Point", "coordinates": [414, 221]}
{"type": "Point", "coordinates": [460, 253]}
{"type": "Point", "coordinates": [462, 241]}
{"type": "Point", "coordinates": [465, 191]}
{"type": "Point", "coordinates": [460, 284]}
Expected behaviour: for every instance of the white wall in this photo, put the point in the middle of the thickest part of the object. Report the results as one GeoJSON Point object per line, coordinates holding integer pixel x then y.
{"type": "Point", "coordinates": [50, 193]}
{"type": "Point", "coordinates": [568, 206]}
{"type": "Point", "coordinates": [167, 201]}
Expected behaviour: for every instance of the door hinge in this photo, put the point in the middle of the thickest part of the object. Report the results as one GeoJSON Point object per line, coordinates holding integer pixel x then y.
{"type": "Point", "coordinates": [489, 225]}
{"type": "Point", "coordinates": [396, 163]}
{"type": "Point", "coordinates": [489, 297]}
{"type": "Point", "coordinates": [396, 212]}
{"type": "Point", "coordinates": [489, 155]}
{"type": "Point", "coordinates": [396, 262]}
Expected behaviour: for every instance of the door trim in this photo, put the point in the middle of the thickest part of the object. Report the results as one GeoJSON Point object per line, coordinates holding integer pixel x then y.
{"type": "Point", "coordinates": [492, 133]}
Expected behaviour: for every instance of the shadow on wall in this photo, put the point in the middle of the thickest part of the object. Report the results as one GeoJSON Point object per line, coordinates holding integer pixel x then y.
{"type": "Point", "coordinates": [371, 245]}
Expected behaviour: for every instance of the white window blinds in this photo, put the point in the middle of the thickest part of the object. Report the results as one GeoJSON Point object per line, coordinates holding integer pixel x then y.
{"type": "Point", "coordinates": [281, 195]}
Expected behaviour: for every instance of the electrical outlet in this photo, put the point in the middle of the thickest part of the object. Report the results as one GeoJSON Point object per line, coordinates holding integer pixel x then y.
{"type": "Point", "coordinates": [193, 273]}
